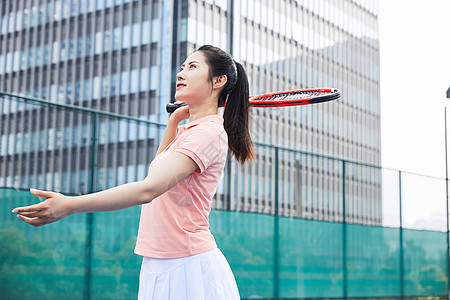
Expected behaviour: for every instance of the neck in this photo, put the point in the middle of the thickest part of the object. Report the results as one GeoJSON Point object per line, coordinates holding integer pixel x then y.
{"type": "Point", "coordinates": [202, 110]}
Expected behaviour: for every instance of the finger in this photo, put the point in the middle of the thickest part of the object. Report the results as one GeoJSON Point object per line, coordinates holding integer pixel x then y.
{"type": "Point", "coordinates": [184, 108]}
{"type": "Point", "coordinates": [42, 194]}
{"type": "Point", "coordinates": [31, 208]}
{"type": "Point", "coordinates": [32, 221]}
{"type": "Point", "coordinates": [32, 214]}
{"type": "Point", "coordinates": [37, 221]}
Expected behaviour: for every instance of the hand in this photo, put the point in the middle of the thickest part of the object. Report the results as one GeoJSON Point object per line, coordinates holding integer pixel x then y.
{"type": "Point", "coordinates": [54, 208]}
{"type": "Point", "coordinates": [180, 113]}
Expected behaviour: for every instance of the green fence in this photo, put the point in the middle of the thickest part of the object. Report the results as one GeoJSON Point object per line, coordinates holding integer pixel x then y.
{"type": "Point", "coordinates": [292, 224]}
{"type": "Point", "coordinates": [52, 262]}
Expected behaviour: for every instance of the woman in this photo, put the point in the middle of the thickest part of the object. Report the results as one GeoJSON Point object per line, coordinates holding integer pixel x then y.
{"type": "Point", "coordinates": [181, 259]}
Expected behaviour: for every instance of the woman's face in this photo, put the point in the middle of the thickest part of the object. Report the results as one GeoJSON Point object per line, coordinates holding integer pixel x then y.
{"type": "Point", "coordinates": [193, 84]}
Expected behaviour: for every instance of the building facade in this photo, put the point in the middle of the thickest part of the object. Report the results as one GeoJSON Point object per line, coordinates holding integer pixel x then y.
{"type": "Point", "coordinates": [122, 57]}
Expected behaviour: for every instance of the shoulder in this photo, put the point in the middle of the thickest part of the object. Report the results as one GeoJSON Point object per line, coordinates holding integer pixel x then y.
{"type": "Point", "coordinates": [205, 143]}
{"type": "Point", "coordinates": [208, 131]}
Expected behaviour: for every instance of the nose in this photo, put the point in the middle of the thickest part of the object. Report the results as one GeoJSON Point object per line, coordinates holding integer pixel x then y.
{"type": "Point", "coordinates": [180, 75]}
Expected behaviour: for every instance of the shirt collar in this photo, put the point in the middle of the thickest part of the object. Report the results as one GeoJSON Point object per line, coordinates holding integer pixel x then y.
{"type": "Point", "coordinates": [211, 118]}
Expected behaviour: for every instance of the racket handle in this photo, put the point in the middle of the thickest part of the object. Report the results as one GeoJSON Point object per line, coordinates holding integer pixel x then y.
{"type": "Point", "coordinates": [170, 107]}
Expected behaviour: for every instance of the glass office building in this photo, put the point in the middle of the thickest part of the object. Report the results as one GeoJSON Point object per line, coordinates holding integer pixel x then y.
{"type": "Point", "coordinates": [122, 56]}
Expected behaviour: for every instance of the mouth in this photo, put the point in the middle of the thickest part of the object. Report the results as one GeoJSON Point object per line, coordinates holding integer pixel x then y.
{"type": "Point", "coordinates": [180, 85]}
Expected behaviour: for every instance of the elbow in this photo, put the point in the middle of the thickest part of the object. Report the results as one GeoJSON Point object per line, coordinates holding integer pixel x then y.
{"type": "Point", "coordinates": [148, 192]}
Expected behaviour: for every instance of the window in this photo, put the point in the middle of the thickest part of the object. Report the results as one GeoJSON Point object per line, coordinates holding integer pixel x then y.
{"type": "Point", "coordinates": [144, 86]}
{"type": "Point", "coordinates": [136, 34]}
{"type": "Point", "coordinates": [134, 81]}
{"type": "Point", "coordinates": [124, 83]}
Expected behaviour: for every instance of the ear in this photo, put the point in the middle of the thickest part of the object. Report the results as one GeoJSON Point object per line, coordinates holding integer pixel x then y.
{"type": "Point", "coordinates": [219, 81]}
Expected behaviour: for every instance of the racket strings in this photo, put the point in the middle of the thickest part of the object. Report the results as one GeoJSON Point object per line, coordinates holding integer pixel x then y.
{"type": "Point", "coordinates": [293, 96]}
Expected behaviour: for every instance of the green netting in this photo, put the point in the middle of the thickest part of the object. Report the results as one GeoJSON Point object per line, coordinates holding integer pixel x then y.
{"type": "Point", "coordinates": [51, 262]}
{"type": "Point", "coordinates": [373, 261]}
{"type": "Point", "coordinates": [40, 263]}
{"type": "Point", "coordinates": [115, 267]}
{"type": "Point", "coordinates": [310, 258]}
{"type": "Point", "coordinates": [247, 241]}
{"type": "Point", "coordinates": [425, 271]}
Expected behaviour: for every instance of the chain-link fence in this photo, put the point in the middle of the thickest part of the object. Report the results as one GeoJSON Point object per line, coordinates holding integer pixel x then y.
{"type": "Point", "coordinates": [292, 224]}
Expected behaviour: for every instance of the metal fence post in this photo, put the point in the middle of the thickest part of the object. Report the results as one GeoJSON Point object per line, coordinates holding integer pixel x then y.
{"type": "Point", "coordinates": [90, 216]}
{"type": "Point", "coordinates": [402, 258]}
{"type": "Point", "coordinates": [344, 232]}
{"type": "Point", "coordinates": [446, 198]}
{"type": "Point", "coordinates": [276, 233]}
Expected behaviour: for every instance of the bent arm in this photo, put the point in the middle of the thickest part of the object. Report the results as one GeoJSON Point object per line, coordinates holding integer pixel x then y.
{"type": "Point", "coordinates": [169, 134]}
{"type": "Point", "coordinates": [57, 206]}
{"type": "Point", "coordinates": [171, 130]}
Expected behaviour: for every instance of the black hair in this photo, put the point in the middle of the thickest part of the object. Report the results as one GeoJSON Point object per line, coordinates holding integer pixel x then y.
{"type": "Point", "coordinates": [234, 96]}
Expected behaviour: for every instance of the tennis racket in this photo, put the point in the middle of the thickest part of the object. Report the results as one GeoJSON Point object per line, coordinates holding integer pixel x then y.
{"type": "Point", "coordinates": [286, 98]}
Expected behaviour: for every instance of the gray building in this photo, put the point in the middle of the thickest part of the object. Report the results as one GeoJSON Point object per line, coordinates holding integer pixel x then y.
{"type": "Point", "coordinates": [122, 57]}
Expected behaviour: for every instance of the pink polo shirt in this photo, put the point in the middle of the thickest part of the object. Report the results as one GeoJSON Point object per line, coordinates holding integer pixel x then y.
{"type": "Point", "coordinates": [176, 224]}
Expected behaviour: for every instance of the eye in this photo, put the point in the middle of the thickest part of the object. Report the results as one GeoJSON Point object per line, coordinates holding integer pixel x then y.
{"type": "Point", "coordinates": [192, 66]}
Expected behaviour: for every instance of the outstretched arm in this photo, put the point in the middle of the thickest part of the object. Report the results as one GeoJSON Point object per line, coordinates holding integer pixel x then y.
{"type": "Point", "coordinates": [57, 206]}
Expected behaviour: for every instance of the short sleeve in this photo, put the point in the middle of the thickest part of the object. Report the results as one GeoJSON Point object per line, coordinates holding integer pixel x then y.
{"type": "Point", "coordinates": [202, 144]}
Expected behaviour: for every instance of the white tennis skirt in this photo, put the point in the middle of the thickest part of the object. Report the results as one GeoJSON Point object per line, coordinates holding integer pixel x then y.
{"type": "Point", "coordinates": [204, 276]}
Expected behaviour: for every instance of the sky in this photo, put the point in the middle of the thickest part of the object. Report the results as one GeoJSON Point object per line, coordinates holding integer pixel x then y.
{"type": "Point", "coordinates": [414, 77]}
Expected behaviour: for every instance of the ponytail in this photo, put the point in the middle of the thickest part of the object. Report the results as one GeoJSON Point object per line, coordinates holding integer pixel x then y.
{"type": "Point", "coordinates": [235, 93]}
{"type": "Point", "coordinates": [236, 120]}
